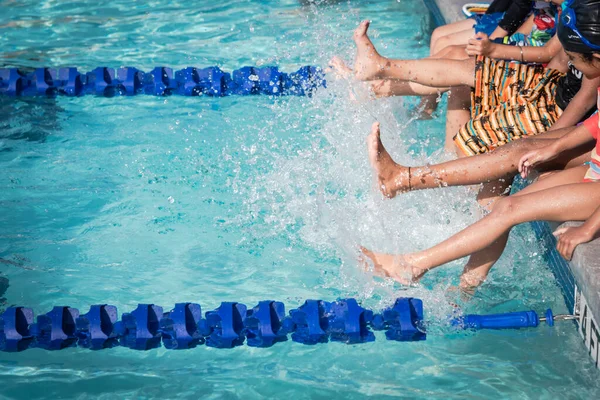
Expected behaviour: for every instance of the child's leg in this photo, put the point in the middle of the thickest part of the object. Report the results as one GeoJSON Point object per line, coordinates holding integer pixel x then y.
{"type": "Point", "coordinates": [387, 87]}
{"type": "Point", "coordinates": [457, 115]}
{"type": "Point", "coordinates": [449, 29]}
{"type": "Point", "coordinates": [429, 104]}
{"type": "Point", "coordinates": [477, 268]}
{"type": "Point", "coordinates": [565, 198]}
{"type": "Point", "coordinates": [454, 39]}
{"type": "Point", "coordinates": [394, 87]}
{"type": "Point", "coordinates": [480, 263]}
{"type": "Point", "coordinates": [499, 164]}
{"type": "Point", "coordinates": [431, 72]}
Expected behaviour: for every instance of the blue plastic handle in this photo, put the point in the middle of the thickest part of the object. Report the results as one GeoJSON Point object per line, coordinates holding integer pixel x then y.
{"type": "Point", "coordinates": [513, 320]}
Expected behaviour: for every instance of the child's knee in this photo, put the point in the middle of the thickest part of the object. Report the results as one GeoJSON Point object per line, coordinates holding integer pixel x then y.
{"type": "Point", "coordinates": [504, 207]}
{"type": "Point", "coordinates": [456, 52]}
{"type": "Point", "coordinates": [435, 35]}
{"type": "Point", "coordinates": [440, 44]}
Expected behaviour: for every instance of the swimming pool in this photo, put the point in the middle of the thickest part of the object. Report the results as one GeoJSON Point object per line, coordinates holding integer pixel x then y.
{"type": "Point", "coordinates": [162, 200]}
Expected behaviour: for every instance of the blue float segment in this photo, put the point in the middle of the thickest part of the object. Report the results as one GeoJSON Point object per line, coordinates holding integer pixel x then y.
{"type": "Point", "coordinates": [225, 325]}
{"type": "Point", "coordinates": [403, 320]}
{"type": "Point", "coordinates": [102, 82]}
{"type": "Point", "coordinates": [311, 322]}
{"type": "Point", "coordinates": [209, 81]}
{"type": "Point", "coordinates": [96, 329]}
{"type": "Point", "coordinates": [131, 80]}
{"type": "Point", "coordinates": [56, 330]}
{"type": "Point", "coordinates": [13, 82]}
{"type": "Point", "coordinates": [270, 80]}
{"type": "Point", "coordinates": [179, 327]}
{"type": "Point", "coordinates": [160, 82]}
{"type": "Point", "coordinates": [72, 81]}
{"type": "Point", "coordinates": [265, 324]}
{"type": "Point", "coordinates": [349, 323]}
{"type": "Point", "coordinates": [14, 329]}
{"type": "Point", "coordinates": [513, 320]}
{"type": "Point", "coordinates": [214, 82]}
{"type": "Point", "coordinates": [188, 82]}
{"type": "Point", "coordinates": [45, 82]}
{"type": "Point", "coordinates": [305, 81]}
{"type": "Point", "coordinates": [244, 81]}
{"type": "Point", "coordinates": [140, 329]}
{"type": "Point", "coordinates": [4, 78]}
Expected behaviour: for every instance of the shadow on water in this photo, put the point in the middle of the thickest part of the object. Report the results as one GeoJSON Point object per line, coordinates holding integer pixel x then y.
{"type": "Point", "coordinates": [26, 118]}
{"type": "Point", "coordinates": [3, 286]}
{"type": "Point", "coordinates": [31, 119]}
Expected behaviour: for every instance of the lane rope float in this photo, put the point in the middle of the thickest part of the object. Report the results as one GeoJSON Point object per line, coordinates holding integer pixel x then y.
{"type": "Point", "coordinates": [228, 326]}
{"type": "Point", "coordinates": [161, 81]}
{"type": "Point", "coordinates": [231, 324]}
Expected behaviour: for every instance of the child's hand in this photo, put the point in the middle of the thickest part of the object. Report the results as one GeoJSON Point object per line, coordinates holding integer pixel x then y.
{"type": "Point", "coordinates": [534, 158]}
{"type": "Point", "coordinates": [480, 45]}
{"type": "Point", "coordinates": [569, 238]}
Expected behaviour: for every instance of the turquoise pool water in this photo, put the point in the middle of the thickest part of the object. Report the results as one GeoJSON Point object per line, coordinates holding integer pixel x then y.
{"type": "Point", "coordinates": [163, 200]}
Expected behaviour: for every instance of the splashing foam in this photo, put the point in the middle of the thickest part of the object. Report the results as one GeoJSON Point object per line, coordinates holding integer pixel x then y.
{"type": "Point", "coordinates": [328, 190]}
{"type": "Point", "coordinates": [325, 190]}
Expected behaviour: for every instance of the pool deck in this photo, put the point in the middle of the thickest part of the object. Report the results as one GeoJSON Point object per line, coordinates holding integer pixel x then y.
{"type": "Point", "coordinates": [580, 278]}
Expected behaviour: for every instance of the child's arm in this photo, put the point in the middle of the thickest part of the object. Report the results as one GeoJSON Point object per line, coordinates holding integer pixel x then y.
{"type": "Point", "coordinates": [570, 237]}
{"type": "Point", "coordinates": [482, 45]}
{"type": "Point", "coordinates": [577, 137]}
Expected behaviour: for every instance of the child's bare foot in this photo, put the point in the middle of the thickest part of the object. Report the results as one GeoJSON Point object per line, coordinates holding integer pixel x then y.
{"type": "Point", "coordinates": [457, 295]}
{"type": "Point", "coordinates": [376, 88]}
{"type": "Point", "coordinates": [339, 67]}
{"type": "Point", "coordinates": [394, 266]}
{"type": "Point", "coordinates": [369, 63]}
{"type": "Point", "coordinates": [391, 177]}
{"type": "Point", "coordinates": [471, 280]}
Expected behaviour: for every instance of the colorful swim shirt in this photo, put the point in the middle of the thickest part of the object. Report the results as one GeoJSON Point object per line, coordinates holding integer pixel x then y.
{"type": "Point", "coordinates": [593, 173]}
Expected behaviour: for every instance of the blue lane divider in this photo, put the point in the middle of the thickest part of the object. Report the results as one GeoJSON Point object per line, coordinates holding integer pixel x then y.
{"type": "Point", "coordinates": [230, 325]}
{"type": "Point", "coordinates": [161, 81]}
